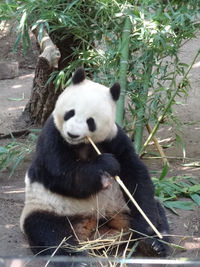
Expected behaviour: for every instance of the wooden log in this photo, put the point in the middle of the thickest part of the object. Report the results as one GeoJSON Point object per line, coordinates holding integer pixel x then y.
{"type": "Point", "coordinates": [49, 50]}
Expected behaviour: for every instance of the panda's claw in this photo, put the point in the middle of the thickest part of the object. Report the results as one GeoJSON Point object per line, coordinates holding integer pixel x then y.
{"type": "Point", "coordinates": [153, 247]}
{"type": "Point", "coordinates": [158, 247]}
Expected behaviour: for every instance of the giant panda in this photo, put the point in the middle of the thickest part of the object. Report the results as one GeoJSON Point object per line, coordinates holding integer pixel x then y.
{"type": "Point", "coordinates": [70, 189]}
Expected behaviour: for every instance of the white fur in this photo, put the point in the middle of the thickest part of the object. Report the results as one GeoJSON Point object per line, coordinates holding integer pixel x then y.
{"type": "Point", "coordinates": [88, 99]}
{"type": "Point", "coordinates": [107, 202]}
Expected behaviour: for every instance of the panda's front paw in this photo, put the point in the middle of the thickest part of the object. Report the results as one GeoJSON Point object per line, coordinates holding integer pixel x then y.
{"type": "Point", "coordinates": [108, 164]}
{"type": "Point", "coordinates": [106, 180]}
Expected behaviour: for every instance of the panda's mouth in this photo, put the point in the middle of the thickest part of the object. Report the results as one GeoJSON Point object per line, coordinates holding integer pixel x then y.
{"type": "Point", "coordinates": [76, 141]}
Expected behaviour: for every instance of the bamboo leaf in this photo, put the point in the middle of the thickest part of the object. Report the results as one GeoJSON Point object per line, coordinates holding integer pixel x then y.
{"type": "Point", "coordinates": [19, 36]}
{"type": "Point", "coordinates": [16, 163]}
{"type": "Point", "coordinates": [3, 150]}
{"type": "Point", "coordinates": [164, 172]}
{"type": "Point", "coordinates": [167, 205]}
{"type": "Point", "coordinates": [22, 21]}
{"type": "Point", "coordinates": [184, 205]}
{"type": "Point", "coordinates": [17, 99]}
{"type": "Point", "coordinates": [195, 188]}
{"type": "Point", "coordinates": [196, 198]}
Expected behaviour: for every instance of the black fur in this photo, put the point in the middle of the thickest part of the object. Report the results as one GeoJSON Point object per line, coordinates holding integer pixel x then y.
{"type": "Point", "coordinates": [79, 76]}
{"type": "Point", "coordinates": [115, 91]}
{"type": "Point", "coordinates": [69, 114]}
{"type": "Point", "coordinates": [57, 163]}
{"type": "Point", "coordinates": [91, 124]}
{"type": "Point", "coordinates": [46, 231]}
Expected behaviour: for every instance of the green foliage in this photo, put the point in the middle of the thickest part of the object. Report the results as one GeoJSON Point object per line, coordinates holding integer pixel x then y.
{"type": "Point", "coordinates": [169, 190]}
{"type": "Point", "coordinates": [12, 154]}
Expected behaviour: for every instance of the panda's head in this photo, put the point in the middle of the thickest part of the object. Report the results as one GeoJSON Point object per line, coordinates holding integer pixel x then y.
{"type": "Point", "coordinates": [86, 108]}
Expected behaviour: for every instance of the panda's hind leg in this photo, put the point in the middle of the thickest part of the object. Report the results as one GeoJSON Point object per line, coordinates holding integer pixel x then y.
{"type": "Point", "coordinates": [155, 246]}
{"type": "Point", "coordinates": [45, 231]}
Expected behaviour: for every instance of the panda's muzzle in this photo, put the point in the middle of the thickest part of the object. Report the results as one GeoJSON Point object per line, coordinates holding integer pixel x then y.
{"type": "Point", "coordinates": [73, 136]}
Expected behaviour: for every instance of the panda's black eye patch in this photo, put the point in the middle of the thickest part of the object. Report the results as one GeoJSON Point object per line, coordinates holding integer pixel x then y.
{"type": "Point", "coordinates": [69, 114]}
{"type": "Point", "coordinates": [91, 124]}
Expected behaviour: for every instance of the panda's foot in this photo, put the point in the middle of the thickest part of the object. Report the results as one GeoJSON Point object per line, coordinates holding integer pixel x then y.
{"type": "Point", "coordinates": [153, 247]}
{"type": "Point", "coordinates": [159, 248]}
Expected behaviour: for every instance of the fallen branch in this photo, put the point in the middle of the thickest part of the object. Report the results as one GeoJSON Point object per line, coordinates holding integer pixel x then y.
{"type": "Point", "coordinates": [19, 133]}
{"type": "Point", "coordinates": [117, 178]}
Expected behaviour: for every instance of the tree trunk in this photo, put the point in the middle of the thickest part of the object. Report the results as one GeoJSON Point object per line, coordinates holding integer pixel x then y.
{"type": "Point", "coordinates": [43, 95]}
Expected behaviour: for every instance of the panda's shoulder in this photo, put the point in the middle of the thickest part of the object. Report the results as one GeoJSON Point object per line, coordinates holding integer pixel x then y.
{"type": "Point", "coordinates": [121, 142]}
{"type": "Point", "coordinates": [121, 137]}
{"type": "Point", "coordinates": [49, 126]}
{"type": "Point", "coordinates": [50, 136]}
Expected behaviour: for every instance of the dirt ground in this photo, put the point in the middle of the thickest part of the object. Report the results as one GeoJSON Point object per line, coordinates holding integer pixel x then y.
{"type": "Point", "coordinates": [186, 226]}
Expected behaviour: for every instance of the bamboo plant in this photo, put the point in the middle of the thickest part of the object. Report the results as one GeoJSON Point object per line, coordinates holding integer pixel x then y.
{"type": "Point", "coordinates": [123, 69]}
{"type": "Point", "coordinates": [137, 43]}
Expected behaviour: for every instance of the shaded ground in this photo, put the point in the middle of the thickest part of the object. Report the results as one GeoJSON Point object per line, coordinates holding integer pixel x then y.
{"type": "Point", "coordinates": [12, 242]}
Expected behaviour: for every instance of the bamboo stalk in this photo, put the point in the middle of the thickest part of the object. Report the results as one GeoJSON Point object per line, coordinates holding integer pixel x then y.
{"type": "Point", "coordinates": [123, 70]}
{"type": "Point", "coordinates": [157, 145]}
{"type": "Point", "coordinates": [141, 107]}
{"type": "Point", "coordinates": [169, 104]}
{"type": "Point", "coordinates": [128, 194]}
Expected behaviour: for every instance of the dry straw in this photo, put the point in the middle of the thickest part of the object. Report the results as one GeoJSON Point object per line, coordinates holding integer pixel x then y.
{"type": "Point", "coordinates": [117, 178]}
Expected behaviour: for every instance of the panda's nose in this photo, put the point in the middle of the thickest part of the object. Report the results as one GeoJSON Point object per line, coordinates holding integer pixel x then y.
{"type": "Point", "coordinates": [73, 135]}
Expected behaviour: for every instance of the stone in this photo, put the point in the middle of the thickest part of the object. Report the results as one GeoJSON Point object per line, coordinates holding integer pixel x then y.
{"type": "Point", "coordinates": [9, 70]}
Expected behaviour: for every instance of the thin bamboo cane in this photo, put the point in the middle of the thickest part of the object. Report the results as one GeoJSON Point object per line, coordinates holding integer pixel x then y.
{"type": "Point", "coordinates": [157, 145]}
{"type": "Point", "coordinates": [128, 194]}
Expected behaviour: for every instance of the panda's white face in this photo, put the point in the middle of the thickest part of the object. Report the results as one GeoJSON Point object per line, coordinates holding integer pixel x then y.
{"type": "Point", "coordinates": [86, 109]}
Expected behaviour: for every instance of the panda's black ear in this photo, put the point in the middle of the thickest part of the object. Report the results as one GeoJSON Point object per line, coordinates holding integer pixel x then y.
{"type": "Point", "coordinates": [115, 91]}
{"type": "Point", "coordinates": [78, 76]}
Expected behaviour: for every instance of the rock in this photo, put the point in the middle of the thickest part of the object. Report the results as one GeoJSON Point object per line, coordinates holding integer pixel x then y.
{"type": "Point", "coordinates": [8, 70]}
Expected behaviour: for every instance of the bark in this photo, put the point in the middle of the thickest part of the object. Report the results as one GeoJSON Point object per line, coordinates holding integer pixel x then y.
{"type": "Point", "coordinates": [49, 50]}
{"type": "Point", "coordinates": [43, 95]}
